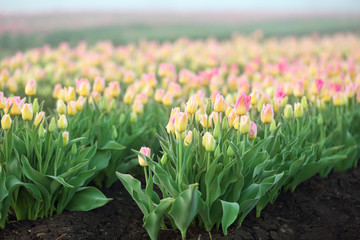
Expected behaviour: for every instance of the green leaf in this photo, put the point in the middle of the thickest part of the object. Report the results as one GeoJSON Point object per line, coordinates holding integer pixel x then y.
{"type": "Point", "coordinates": [86, 199]}
{"type": "Point", "coordinates": [153, 220]}
{"type": "Point", "coordinates": [230, 213]}
{"type": "Point", "coordinates": [185, 208]}
{"type": "Point", "coordinates": [112, 145]}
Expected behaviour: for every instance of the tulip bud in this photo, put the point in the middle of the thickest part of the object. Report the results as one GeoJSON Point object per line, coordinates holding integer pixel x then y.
{"type": "Point", "coordinates": [52, 125]}
{"type": "Point", "coordinates": [253, 131]}
{"type": "Point", "coordinates": [41, 131]}
{"type": "Point", "coordinates": [114, 89]}
{"type": "Point", "coordinates": [147, 152]}
{"type": "Point", "coordinates": [133, 117]}
{"type": "Point", "coordinates": [62, 122]}
{"type": "Point", "coordinates": [35, 106]}
{"type": "Point", "coordinates": [230, 152]}
{"type": "Point", "coordinates": [267, 113]}
{"type": "Point", "coordinates": [304, 103]}
{"type": "Point", "coordinates": [38, 118]}
{"type": "Point", "coordinates": [122, 119]}
{"type": "Point", "coordinates": [27, 113]}
{"type": "Point", "coordinates": [6, 122]}
{"type": "Point", "coordinates": [208, 142]}
{"type": "Point", "coordinates": [320, 120]}
{"type": "Point", "coordinates": [298, 112]}
{"type": "Point", "coordinates": [30, 88]}
{"type": "Point", "coordinates": [273, 125]}
{"type": "Point", "coordinates": [191, 106]}
{"type": "Point", "coordinates": [209, 107]}
{"type": "Point", "coordinates": [216, 131]}
{"type": "Point", "coordinates": [244, 124]}
{"type": "Point", "coordinates": [220, 104]}
{"type": "Point", "coordinates": [114, 132]}
{"type": "Point", "coordinates": [188, 138]}
{"type": "Point", "coordinates": [65, 137]}
{"type": "Point", "coordinates": [73, 149]}
{"type": "Point", "coordinates": [284, 101]}
{"type": "Point", "coordinates": [288, 112]}
{"type": "Point", "coordinates": [164, 159]}
{"type": "Point", "coordinates": [60, 107]}
{"type": "Point", "coordinates": [217, 151]}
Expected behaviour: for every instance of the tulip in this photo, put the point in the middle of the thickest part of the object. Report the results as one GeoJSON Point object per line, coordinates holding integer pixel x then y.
{"type": "Point", "coordinates": [57, 91]}
{"type": "Point", "coordinates": [180, 122]}
{"type": "Point", "coordinates": [71, 108]}
{"type": "Point", "coordinates": [168, 99]}
{"type": "Point", "coordinates": [298, 110]}
{"type": "Point", "coordinates": [16, 105]}
{"type": "Point", "coordinates": [80, 103]}
{"type": "Point", "coordinates": [147, 152]}
{"type": "Point", "coordinates": [6, 122]}
{"type": "Point", "coordinates": [60, 107]}
{"type": "Point", "coordinates": [299, 89]}
{"type": "Point", "coordinates": [191, 106]}
{"type": "Point", "coordinates": [2, 101]}
{"type": "Point", "coordinates": [114, 89]}
{"type": "Point", "coordinates": [83, 87]}
{"type": "Point", "coordinates": [65, 137]}
{"type": "Point", "coordinates": [70, 94]}
{"type": "Point", "coordinates": [267, 113]}
{"type": "Point", "coordinates": [242, 104]}
{"type": "Point", "coordinates": [27, 113]}
{"type": "Point", "coordinates": [38, 118]}
{"type": "Point", "coordinates": [245, 124]}
{"type": "Point", "coordinates": [99, 84]}
{"type": "Point", "coordinates": [208, 142]}
{"type": "Point", "coordinates": [288, 112]}
{"type": "Point", "coordinates": [30, 88]}
{"type": "Point", "coordinates": [220, 104]}
{"type": "Point", "coordinates": [62, 122]}
{"type": "Point", "coordinates": [304, 102]}
{"type": "Point", "coordinates": [253, 131]}
{"type": "Point", "coordinates": [159, 95]}
{"type": "Point", "coordinates": [138, 107]}
{"type": "Point", "coordinates": [170, 127]}
{"type": "Point", "coordinates": [231, 118]}
{"type": "Point", "coordinates": [188, 138]}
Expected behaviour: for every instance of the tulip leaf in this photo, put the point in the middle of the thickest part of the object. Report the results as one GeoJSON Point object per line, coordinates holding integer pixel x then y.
{"type": "Point", "coordinates": [86, 199]}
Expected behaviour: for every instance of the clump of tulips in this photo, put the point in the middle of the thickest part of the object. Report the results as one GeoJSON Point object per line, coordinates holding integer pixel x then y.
{"type": "Point", "coordinates": [220, 160]}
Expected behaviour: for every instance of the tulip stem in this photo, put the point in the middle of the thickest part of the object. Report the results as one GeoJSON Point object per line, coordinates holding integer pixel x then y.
{"type": "Point", "coordinates": [238, 132]}
{"type": "Point", "coordinates": [266, 130]}
{"type": "Point", "coordinates": [297, 126]}
{"type": "Point", "coordinates": [207, 169]}
{"type": "Point", "coordinates": [180, 161]}
{"type": "Point", "coordinates": [244, 144]}
{"type": "Point", "coordinates": [146, 176]}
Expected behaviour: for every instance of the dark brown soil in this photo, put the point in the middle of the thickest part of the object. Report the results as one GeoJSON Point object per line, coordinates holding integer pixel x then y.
{"type": "Point", "coordinates": [318, 209]}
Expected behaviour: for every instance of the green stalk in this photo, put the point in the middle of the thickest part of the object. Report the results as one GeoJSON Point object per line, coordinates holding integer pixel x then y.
{"type": "Point", "coordinates": [266, 130]}
{"type": "Point", "coordinates": [180, 160]}
{"type": "Point", "coordinates": [244, 144]}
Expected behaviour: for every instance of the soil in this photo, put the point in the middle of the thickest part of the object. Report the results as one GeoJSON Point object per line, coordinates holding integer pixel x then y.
{"type": "Point", "coordinates": [318, 209]}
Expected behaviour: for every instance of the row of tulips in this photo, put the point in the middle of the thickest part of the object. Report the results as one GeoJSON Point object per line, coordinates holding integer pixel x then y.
{"type": "Point", "coordinates": [273, 119]}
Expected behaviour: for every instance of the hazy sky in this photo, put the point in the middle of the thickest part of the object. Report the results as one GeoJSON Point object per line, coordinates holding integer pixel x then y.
{"type": "Point", "coordinates": [340, 6]}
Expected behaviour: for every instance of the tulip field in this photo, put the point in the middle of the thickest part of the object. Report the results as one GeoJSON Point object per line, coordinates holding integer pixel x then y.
{"type": "Point", "coordinates": [200, 133]}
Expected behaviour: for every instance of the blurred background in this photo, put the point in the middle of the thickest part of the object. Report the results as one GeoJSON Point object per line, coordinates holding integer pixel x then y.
{"type": "Point", "coordinates": [26, 24]}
